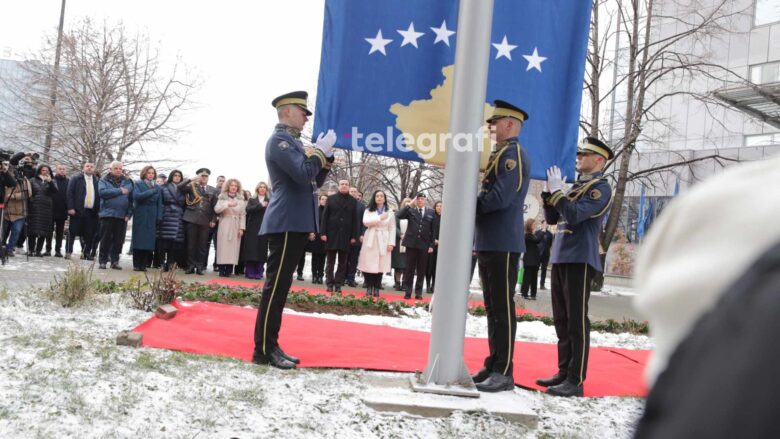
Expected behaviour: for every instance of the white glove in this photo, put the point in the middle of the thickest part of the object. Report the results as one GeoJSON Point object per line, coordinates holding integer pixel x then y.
{"type": "Point", "coordinates": [554, 180]}
{"type": "Point", "coordinates": [325, 143]}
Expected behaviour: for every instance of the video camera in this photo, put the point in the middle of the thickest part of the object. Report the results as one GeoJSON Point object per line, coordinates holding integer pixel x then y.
{"type": "Point", "coordinates": [27, 167]}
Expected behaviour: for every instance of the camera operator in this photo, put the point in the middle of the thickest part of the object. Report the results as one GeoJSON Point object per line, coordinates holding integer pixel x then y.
{"type": "Point", "coordinates": [15, 210]}
{"type": "Point", "coordinates": [6, 179]}
{"type": "Point", "coordinates": [41, 218]}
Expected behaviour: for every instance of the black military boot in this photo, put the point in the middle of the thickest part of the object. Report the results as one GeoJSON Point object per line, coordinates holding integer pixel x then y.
{"type": "Point", "coordinates": [552, 381]}
{"type": "Point", "coordinates": [566, 388]}
{"type": "Point", "coordinates": [330, 288]}
{"type": "Point", "coordinates": [290, 358]}
{"type": "Point", "coordinates": [274, 359]}
{"type": "Point", "coordinates": [480, 376]}
{"type": "Point", "coordinates": [496, 382]}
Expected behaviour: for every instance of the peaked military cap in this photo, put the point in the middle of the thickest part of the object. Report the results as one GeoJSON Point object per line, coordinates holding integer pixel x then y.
{"type": "Point", "coordinates": [202, 170]}
{"type": "Point", "coordinates": [594, 145]}
{"type": "Point", "coordinates": [298, 98]}
{"type": "Point", "coordinates": [420, 195]}
{"type": "Point", "coordinates": [505, 109]}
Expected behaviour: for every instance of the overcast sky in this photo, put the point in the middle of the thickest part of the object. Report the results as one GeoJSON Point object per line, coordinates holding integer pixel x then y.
{"type": "Point", "coordinates": [246, 53]}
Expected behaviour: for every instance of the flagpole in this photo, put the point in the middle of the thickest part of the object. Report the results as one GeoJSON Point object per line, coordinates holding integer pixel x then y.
{"type": "Point", "coordinates": [446, 371]}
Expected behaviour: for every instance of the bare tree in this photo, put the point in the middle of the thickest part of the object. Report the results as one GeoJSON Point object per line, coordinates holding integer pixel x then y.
{"type": "Point", "coordinates": [397, 177]}
{"type": "Point", "coordinates": [114, 98]}
{"type": "Point", "coordinates": [663, 53]}
{"type": "Point", "coordinates": [659, 65]}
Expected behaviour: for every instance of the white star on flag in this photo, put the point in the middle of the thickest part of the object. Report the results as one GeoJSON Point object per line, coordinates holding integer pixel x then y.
{"type": "Point", "coordinates": [378, 43]}
{"type": "Point", "coordinates": [504, 49]}
{"type": "Point", "coordinates": [534, 60]}
{"type": "Point", "coordinates": [442, 33]}
{"type": "Point", "coordinates": [410, 36]}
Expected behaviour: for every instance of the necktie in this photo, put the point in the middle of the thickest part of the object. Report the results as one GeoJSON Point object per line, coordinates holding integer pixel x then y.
{"type": "Point", "coordinates": [90, 198]}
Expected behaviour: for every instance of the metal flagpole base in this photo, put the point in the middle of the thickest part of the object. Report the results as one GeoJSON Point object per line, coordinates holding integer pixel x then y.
{"type": "Point", "coordinates": [462, 386]}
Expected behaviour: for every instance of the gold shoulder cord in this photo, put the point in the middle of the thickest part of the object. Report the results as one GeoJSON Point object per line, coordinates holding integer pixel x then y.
{"type": "Point", "coordinates": [197, 198]}
{"type": "Point", "coordinates": [492, 166]}
{"type": "Point", "coordinates": [576, 194]}
{"type": "Point", "coordinates": [519, 168]}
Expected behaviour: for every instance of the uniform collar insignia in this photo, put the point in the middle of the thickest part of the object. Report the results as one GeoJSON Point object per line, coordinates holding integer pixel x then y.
{"type": "Point", "coordinates": [296, 133]}
{"type": "Point", "coordinates": [585, 177]}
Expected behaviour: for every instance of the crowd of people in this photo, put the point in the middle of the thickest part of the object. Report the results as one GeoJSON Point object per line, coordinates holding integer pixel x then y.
{"type": "Point", "coordinates": [175, 220]}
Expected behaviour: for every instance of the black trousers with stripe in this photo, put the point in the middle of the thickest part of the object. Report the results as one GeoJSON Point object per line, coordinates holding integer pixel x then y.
{"type": "Point", "coordinates": [570, 294]}
{"type": "Point", "coordinates": [285, 250]}
{"type": "Point", "coordinates": [498, 273]}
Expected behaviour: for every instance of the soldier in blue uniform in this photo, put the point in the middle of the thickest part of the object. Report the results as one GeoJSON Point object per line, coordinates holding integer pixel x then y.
{"type": "Point", "coordinates": [579, 214]}
{"type": "Point", "coordinates": [296, 173]}
{"type": "Point", "coordinates": [499, 240]}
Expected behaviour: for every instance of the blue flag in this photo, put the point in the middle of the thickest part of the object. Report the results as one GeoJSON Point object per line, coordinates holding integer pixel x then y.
{"type": "Point", "coordinates": [640, 216]}
{"type": "Point", "coordinates": [386, 74]}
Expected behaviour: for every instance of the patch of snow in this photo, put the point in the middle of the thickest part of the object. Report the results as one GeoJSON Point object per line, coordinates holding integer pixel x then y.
{"type": "Point", "coordinates": [61, 375]}
{"type": "Point", "coordinates": [419, 319]}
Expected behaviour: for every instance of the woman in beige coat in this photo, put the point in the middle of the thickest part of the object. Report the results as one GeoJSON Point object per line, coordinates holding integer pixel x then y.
{"type": "Point", "coordinates": [378, 242]}
{"type": "Point", "coordinates": [231, 210]}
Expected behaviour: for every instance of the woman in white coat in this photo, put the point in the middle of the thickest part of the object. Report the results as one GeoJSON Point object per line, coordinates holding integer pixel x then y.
{"type": "Point", "coordinates": [378, 242]}
{"type": "Point", "coordinates": [231, 209]}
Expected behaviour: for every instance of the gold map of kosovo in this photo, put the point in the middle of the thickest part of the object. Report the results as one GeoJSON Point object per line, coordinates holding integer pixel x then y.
{"type": "Point", "coordinates": [429, 120]}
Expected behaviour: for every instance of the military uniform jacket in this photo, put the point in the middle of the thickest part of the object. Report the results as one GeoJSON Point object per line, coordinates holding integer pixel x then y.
{"type": "Point", "coordinates": [199, 203]}
{"type": "Point", "coordinates": [579, 214]}
{"type": "Point", "coordinates": [419, 229]}
{"type": "Point", "coordinates": [295, 178]}
{"type": "Point", "coordinates": [499, 222]}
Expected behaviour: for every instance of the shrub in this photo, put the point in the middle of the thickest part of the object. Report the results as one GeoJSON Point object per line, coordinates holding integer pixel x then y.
{"type": "Point", "coordinates": [73, 287]}
{"type": "Point", "coordinates": [163, 286]}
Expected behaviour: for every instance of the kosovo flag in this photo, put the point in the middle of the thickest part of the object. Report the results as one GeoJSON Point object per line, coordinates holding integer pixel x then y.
{"type": "Point", "coordinates": [386, 75]}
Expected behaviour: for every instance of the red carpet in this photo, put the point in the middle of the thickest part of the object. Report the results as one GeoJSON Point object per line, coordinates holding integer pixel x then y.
{"type": "Point", "coordinates": [217, 329]}
{"type": "Point", "coordinates": [357, 293]}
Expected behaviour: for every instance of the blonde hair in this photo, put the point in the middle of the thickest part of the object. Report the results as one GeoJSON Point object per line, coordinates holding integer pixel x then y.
{"type": "Point", "coordinates": [226, 187]}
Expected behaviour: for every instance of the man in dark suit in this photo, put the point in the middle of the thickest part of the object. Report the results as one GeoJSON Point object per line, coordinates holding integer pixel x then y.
{"type": "Point", "coordinates": [354, 250]}
{"type": "Point", "coordinates": [60, 210]}
{"type": "Point", "coordinates": [83, 202]}
{"type": "Point", "coordinates": [545, 237]}
{"type": "Point", "coordinates": [418, 241]}
{"type": "Point", "coordinates": [199, 218]}
{"type": "Point", "coordinates": [340, 231]}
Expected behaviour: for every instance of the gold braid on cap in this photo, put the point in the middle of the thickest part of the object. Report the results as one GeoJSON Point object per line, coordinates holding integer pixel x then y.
{"type": "Point", "coordinates": [196, 196]}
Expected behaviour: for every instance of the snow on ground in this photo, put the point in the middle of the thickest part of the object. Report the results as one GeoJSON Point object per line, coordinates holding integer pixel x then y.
{"type": "Point", "coordinates": [61, 375]}
{"type": "Point", "coordinates": [419, 319]}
